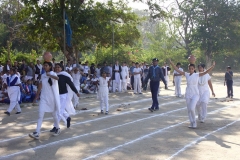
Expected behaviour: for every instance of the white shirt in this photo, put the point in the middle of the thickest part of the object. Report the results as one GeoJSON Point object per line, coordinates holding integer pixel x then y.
{"type": "Point", "coordinates": [175, 72]}
{"type": "Point", "coordinates": [85, 69]}
{"type": "Point", "coordinates": [192, 85]}
{"type": "Point", "coordinates": [124, 73]}
{"type": "Point", "coordinates": [137, 70]}
{"type": "Point", "coordinates": [98, 72]}
{"type": "Point", "coordinates": [76, 78]}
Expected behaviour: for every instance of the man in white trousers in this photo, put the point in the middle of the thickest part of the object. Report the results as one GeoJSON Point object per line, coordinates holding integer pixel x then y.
{"type": "Point", "coordinates": [137, 79]}
{"type": "Point", "coordinates": [177, 78]}
{"type": "Point", "coordinates": [166, 70]}
{"type": "Point", "coordinates": [117, 69]}
{"type": "Point", "coordinates": [124, 75]}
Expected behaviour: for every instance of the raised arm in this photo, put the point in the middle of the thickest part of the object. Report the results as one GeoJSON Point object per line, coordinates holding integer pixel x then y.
{"type": "Point", "coordinates": [180, 72]}
{"type": "Point", "coordinates": [208, 70]}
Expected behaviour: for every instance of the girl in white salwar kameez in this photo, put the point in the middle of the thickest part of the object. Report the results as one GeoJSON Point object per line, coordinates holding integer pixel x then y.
{"type": "Point", "coordinates": [124, 74]}
{"type": "Point", "coordinates": [103, 91]}
{"type": "Point", "coordinates": [192, 92]}
{"type": "Point", "coordinates": [76, 75]}
{"type": "Point", "coordinates": [13, 89]}
{"type": "Point", "coordinates": [49, 99]}
{"type": "Point", "coordinates": [204, 94]}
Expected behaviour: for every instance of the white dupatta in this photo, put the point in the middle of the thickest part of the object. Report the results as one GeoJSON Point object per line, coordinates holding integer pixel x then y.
{"type": "Point", "coordinates": [69, 105]}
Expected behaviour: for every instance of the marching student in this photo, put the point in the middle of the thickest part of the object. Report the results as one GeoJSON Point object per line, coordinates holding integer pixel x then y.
{"type": "Point", "coordinates": [13, 89]}
{"type": "Point", "coordinates": [204, 94]}
{"type": "Point", "coordinates": [155, 75]}
{"type": "Point", "coordinates": [177, 78]}
{"type": "Point", "coordinates": [65, 94]}
{"type": "Point", "coordinates": [124, 75]}
{"type": "Point", "coordinates": [49, 99]}
{"type": "Point", "coordinates": [229, 82]}
{"type": "Point", "coordinates": [137, 79]}
{"type": "Point", "coordinates": [103, 91]}
{"type": "Point", "coordinates": [192, 92]}
{"type": "Point", "coordinates": [76, 76]}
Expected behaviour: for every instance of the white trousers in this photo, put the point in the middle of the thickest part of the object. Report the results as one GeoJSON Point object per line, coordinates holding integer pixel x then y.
{"type": "Point", "coordinates": [104, 102]}
{"type": "Point", "coordinates": [137, 84]}
{"type": "Point", "coordinates": [178, 86]}
{"type": "Point", "coordinates": [117, 85]}
{"type": "Point", "coordinates": [75, 97]}
{"type": "Point", "coordinates": [202, 110]}
{"type": "Point", "coordinates": [191, 106]}
{"type": "Point", "coordinates": [12, 105]}
{"type": "Point", "coordinates": [124, 86]}
{"type": "Point", "coordinates": [63, 100]}
{"type": "Point", "coordinates": [166, 79]}
{"type": "Point", "coordinates": [40, 120]}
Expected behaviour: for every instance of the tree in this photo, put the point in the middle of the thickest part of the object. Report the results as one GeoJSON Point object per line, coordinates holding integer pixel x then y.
{"type": "Point", "coordinates": [90, 23]}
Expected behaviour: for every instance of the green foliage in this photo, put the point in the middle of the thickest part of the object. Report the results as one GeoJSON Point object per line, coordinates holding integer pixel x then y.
{"type": "Point", "coordinates": [90, 23]}
{"type": "Point", "coordinates": [18, 56]}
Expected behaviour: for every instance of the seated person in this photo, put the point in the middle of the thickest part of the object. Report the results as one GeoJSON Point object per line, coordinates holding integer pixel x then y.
{"type": "Point", "coordinates": [29, 91]}
{"type": "Point", "coordinates": [84, 87]}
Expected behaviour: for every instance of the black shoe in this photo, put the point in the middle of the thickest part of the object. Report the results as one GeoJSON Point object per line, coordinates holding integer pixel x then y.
{"type": "Point", "coordinates": [18, 112]}
{"type": "Point", "coordinates": [53, 130]}
{"type": "Point", "coordinates": [140, 93]}
{"type": "Point", "coordinates": [106, 112]}
{"type": "Point", "coordinates": [68, 122]}
{"type": "Point", "coordinates": [150, 109]}
{"type": "Point", "coordinates": [156, 109]}
{"type": "Point", "coordinates": [102, 112]}
{"type": "Point", "coordinates": [7, 113]}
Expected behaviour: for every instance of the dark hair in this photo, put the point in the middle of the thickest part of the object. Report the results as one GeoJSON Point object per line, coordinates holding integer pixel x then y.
{"type": "Point", "coordinates": [50, 64]}
{"type": "Point", "coordinates": [60, 65]}
{"type": "Point", "coordinates": [191, 65]}
{"type": "Point", "coordinates": [178, 63]}
{"type": "Point", "coordinates": [201, 65]}
{"type": "Point", "coordinates": [228, 67]}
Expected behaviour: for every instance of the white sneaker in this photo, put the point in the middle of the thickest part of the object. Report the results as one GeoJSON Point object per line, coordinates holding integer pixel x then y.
{"type": "Point", "coordinates": [191, 125]}
{"type": "Point", "coordinates": [57, 132]}
{"type": "Point", "coordinates": [34, 135]}
{"type": "Point", "coordinates": [194, 125]}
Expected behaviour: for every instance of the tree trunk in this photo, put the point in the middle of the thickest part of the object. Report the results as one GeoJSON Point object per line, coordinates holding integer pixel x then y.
{"type": "Point", "coordinates": [208, 58]}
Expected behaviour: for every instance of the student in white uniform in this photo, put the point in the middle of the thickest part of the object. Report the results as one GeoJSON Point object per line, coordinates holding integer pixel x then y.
{"type": "Point", "coordinates": [49, 99]}
{"type": "Point", "coordinates": [204, 93]}
{"type": "Point", "coordinates": [177, 79]}
{"type": "Point", "coordinates": [124, 74]}
{"type": "Point", "coordinates": [76, 76]}
{"type": "Point", "coordinates": [137, 79]}
{"type": "Point", "coordinates": [13, 89]}
{"type": "Point", "coordinates": [192, 92]}
{"type": "Point", "coordinates": [117, 69]}
{"type": "Point", "coordinates": [103, 91]}
{"type": "Point", "coordinates": [166, 70]}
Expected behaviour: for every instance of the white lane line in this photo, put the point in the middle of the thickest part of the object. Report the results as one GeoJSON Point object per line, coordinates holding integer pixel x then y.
{"type": "Point", "coordinates": [147, 135]}
{"type": "Point", "coordinates": [86, 134]}
{"type": "Point", "coordinates": [97, 119]}
{"type": "Point", "coordinates": [96, 109]}
{"type": "Point", "coordinates": [200, 138]}
{"type": "Point", "coordinates": [109, 150]}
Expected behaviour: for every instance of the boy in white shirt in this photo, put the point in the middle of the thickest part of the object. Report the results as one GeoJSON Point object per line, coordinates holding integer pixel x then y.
{"type": "Point", "coordinates": [137, 79]}
{"type": "Point", "coordinates": [177, 78]}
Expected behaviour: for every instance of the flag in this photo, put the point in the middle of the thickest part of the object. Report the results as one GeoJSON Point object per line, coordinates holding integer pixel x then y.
{"type": "Point", "coordinates": [68, 31]}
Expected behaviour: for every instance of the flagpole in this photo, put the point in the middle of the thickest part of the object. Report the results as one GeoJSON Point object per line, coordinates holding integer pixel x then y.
{"type": "Point", "coordinates": [64, 38]}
